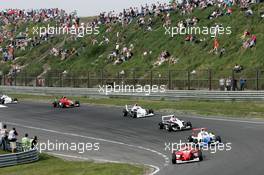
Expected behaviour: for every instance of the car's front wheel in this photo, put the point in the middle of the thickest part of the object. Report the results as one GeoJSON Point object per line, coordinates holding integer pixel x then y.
{"type": "Point", "coordinates": [218, 139]}
{"type": "Point", "coordinates": [161, 125]}
{"type": "Point", "coordinates": [173, 159]}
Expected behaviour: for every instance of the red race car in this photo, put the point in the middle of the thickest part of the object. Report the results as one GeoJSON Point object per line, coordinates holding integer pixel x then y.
{"type": "Point", "coordinates": [186, 154]}
{"type": "Point", "coordinates": [65, 103]}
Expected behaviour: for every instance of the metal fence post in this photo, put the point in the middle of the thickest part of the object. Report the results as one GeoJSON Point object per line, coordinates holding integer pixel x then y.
{"type": "Point", "coordinates": [169, 79]}
{"type": "Point", "coordinates": [102, 77]}
{"type": "Point", "coordinates": [88, 79]}
{"type": "Point", "coordinates": [151, 78]}
{"type": "Point", "coordinates": [257, 76]}
{"type": "Point", "coordinates": [74, 79]}
{"type": "Point", "coordinates": [25, 76]}
{"type": "Point", "coordinates": [189, 79]}
{"type": "Point", "coordinates": [134, 78]}
{"type": "Point", "coordinates": [118, 77]}
{"type": "Point", "coordinates": [15, 78]}
{"type": "Point", "coordinates": [210, 79]}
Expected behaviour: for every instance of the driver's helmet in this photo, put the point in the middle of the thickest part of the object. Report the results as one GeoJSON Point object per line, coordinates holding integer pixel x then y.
{"type": "Point", "coordinates": [202, 131]}
{"type": "Point", "coordinates": [173, 118]}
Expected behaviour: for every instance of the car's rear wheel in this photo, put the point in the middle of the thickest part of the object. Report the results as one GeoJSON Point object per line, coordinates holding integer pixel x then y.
{"type": "Point", "coordinates": [218, 138]}
{"type": "Point", "coordinates": [2, 101]}
{"type": "Point", "coordinates": [170, 128]}
{"type": "Point", "coordinates": [173, 159]}
{"type": "Point", "coordinates": [77, 104]}
{"type": "Point", "coordinates": [151, 111]}
{"type": "Point", "coordinates": [190, 139]}
{"type": "Point", "coordinates": [55, 104]}
{"type": "Point", "coordinates": [134, 115]}
{"type": "Point", "coordinates": [200, 155]}
{"type": "Point", "coordinates": [189, 124]}
{"type": "Point", "coordinates": [161, 125]}
{"type": "Point", "coordinates": [125, 113]}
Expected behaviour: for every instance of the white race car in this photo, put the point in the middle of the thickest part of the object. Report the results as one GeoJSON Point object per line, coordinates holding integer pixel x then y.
{"type": "Point", "coordinates": [172, 123]}
{"type": "Point", "coordinates": [4, 99]}
{"type": "Point", "coordinates": [137, 112]}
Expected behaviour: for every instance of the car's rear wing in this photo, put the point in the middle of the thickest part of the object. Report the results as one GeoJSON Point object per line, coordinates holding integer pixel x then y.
{"type": "Point", "coordinates": [199, 129]}
{"type": "Point", "coordinates": [196, 130]}
{"type": "Point", "coordinates": [166, 118]}
{"type": "Point", "coordinates": [128, 107]}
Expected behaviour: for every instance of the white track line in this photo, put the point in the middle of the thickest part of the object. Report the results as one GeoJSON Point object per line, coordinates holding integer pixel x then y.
{"type": "Point", "coordinates": [104, 160]}
{"type": "Point", "coordinates": [2, 106]}
{"type": "Point", "coordinates": [157, 169]}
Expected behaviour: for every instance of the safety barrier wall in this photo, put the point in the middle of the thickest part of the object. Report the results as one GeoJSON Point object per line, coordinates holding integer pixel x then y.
{"type": "Point", "coordinates": [22, 157]}
{"type": "Point", "coordinates": [168, 95]}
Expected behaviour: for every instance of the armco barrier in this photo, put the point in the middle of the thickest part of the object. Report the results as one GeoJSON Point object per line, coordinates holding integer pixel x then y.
{"type": "Point", "coordinates": [18, 158]}
{"type": "Point", "coordinates": [168, 95]}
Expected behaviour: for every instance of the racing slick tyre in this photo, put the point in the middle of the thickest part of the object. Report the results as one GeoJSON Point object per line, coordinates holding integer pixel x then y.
{"type": "Point", "coordinates": [200, 155]}
{"type": "Point", "coordinates": [190, 139]}
{"type": "Point", "coordinates": [77, 104]}
{"type": "Point", "coordinates": [161, 126]}
{"type": "Point", "coordinates": [151, 111]}
{"type": "Point", "coordinates": [2, 101]}
{"type": "Point", "coordinates": [170, 128]}
{"type": "Point", "coordinates": [173, 159]}
{"type": "Point", "coordinates": [61, 105]}
{"type": "Point", "coordinates": [189, 124]}
{"type": "Point", "coordinates": [134, 115]}
{"type": "Point", "coordinates": [125, 113]}
{"type": "Point", "coordinates": [55, 104]}
{"type": "Point", "coordinates": [218, 138]}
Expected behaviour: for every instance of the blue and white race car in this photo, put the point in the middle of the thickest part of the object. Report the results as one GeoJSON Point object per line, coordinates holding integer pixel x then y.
{"type": "Point", "coordinates": [202, 137]}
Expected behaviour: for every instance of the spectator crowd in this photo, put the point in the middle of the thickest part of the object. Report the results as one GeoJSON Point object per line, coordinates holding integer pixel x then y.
{"type": "Point", "coordinates": [12, 41]}
{"type": "Point", "coordinates": [9, 140]}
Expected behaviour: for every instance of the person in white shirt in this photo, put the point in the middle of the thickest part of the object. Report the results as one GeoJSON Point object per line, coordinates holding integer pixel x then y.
{"type": "Point", "coordinates": [12, 137]}
{"type": "Point", "coordinates": [222, 84]}
{"type": "Point", "coordinates": [3, 137]}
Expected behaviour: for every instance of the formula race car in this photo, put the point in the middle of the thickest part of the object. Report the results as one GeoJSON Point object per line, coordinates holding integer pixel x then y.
{"type": "Point", "coordinates": [201, 137]}
{"type": "Point", "coordinates": [171, 123]}
{"type": "Point", "coordinates": [137, 112]}
{"type": "Point", "coordinates": [65, 103]}
{"type": "Point", "coordinates": [187, 154]}
{"type": "Point", "coordinates": [4, 99]}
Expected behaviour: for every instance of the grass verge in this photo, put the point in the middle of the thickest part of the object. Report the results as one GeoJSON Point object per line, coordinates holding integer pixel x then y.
{"type": "Point", "coordinates": [51, 165]}
{"type": "Point", "coordinates": [249, 109]}
{"type": "Point", "coordinates": [3, 152]}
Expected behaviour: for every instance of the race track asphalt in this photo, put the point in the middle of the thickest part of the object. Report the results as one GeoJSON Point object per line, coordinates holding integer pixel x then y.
{"type": "Point", "coordinates": [139, 140]}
